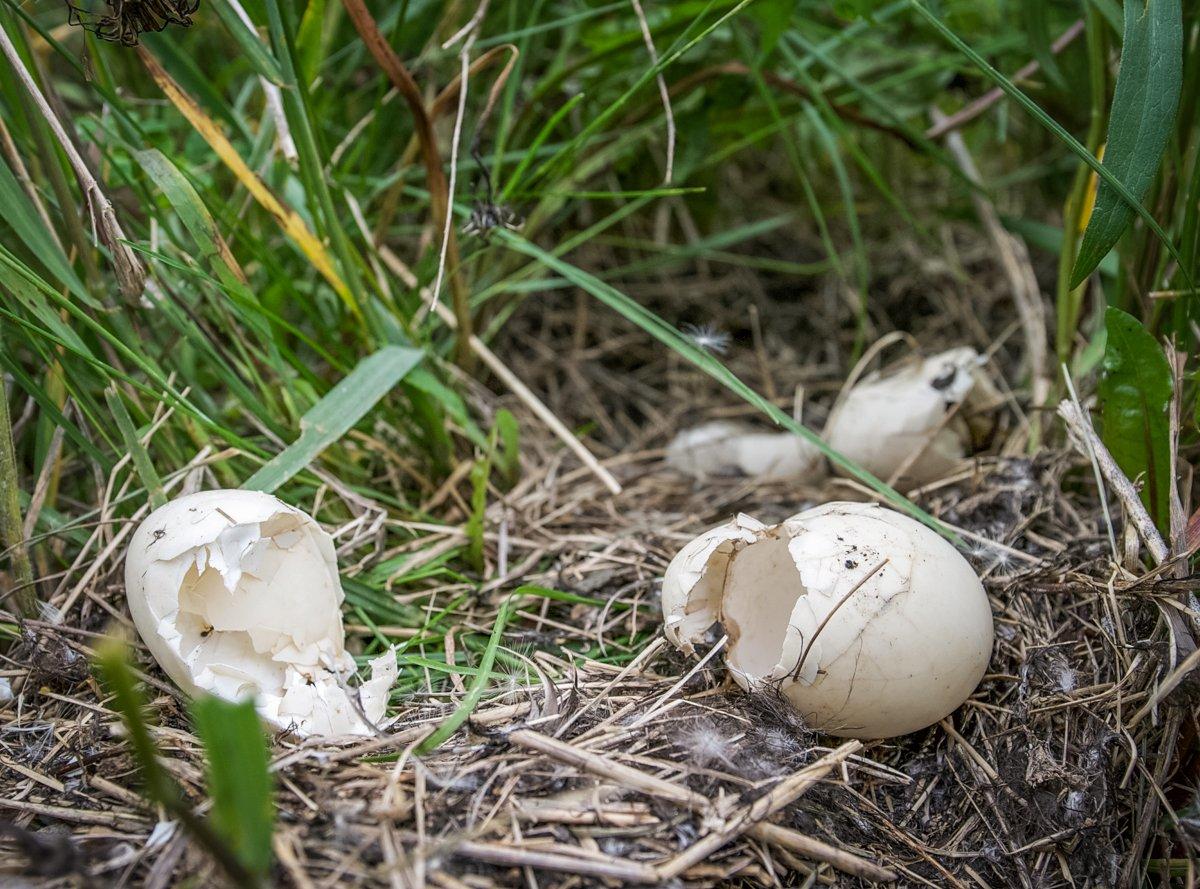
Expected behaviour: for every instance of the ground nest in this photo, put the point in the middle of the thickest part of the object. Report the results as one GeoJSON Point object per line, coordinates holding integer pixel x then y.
{"type": "Point", "coordinates": [1065, 768]}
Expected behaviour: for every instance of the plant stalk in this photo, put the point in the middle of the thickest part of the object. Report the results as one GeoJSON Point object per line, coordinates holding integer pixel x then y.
{"type": "Point", "coordinates": [439, 190]}
{"type": "Point", "coordinates": [11, 531]}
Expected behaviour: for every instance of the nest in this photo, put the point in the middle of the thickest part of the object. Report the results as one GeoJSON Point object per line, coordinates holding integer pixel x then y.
{"type": "Point", "coordinates": [611, 759]}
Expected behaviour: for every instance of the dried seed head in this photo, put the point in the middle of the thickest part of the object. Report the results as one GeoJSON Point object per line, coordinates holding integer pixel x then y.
{"type": "Point", "coordinates": [122, 21]}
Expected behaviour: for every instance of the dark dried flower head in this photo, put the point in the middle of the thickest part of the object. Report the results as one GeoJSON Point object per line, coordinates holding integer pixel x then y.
{"type": "Point", "coordinates": [121, 21]}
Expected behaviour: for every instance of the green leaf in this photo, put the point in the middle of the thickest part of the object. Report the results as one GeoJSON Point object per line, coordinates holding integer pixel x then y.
{"type": "Point", "coordinates": [1135, 395]}
{"type": "Point", "coordinates": [335, 414]}
{"type": "Point", "coordinates": [19, 212]}
{"type": "Point", "coordinates": [475, 522]}
{"type": "Point", "coordinates": [239, 780]}
{"type": "Point", "coordinates": [1140, 125]}
{"type": "Point", "coordinates": [112, 658]}
{"type": "Point", "coordinates": [773, 17]}
{"type": "Point", "coordinates": [478, 685]}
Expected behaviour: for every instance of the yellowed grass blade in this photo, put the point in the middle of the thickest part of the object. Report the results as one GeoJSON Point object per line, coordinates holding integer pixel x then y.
{"type": "Point", "coordinates": [291, 223]}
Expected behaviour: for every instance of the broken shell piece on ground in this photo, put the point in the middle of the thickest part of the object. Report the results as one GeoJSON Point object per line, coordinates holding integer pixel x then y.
{"type": "Point", "coordinates": [868, 622]}
{"type": "Point", "coordinates": [721, 448]}
{"type": "Point", "coordinates": [902, 421]}
{"type": "Point", "coordinates": [236, 593]}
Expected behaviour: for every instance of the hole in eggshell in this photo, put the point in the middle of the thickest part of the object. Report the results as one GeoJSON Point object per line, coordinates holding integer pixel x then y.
{"type": "Point", "coordinates": [761, 591]}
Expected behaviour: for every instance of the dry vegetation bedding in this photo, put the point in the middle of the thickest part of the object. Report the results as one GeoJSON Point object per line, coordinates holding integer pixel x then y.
{"type": "Point", "coordinates": [645, 767]}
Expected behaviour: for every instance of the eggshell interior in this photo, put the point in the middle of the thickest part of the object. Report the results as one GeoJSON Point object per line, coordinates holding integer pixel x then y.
{"type": "Point", "coordinates": [869, 623]}
{"type": "Point", "coordinates": [237, 594]}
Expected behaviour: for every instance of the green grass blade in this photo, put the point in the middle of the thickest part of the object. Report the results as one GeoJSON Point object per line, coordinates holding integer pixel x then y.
{"type": "Point", "coordinates": [1141, 122]}
{"type": "Point", "coordinates": [1037, 26]}
{"type": "Point", "coordinates": [239, 780]}
{"type": "Point", "coordinates": [251, 45]}
{"type": "Point", "coordinates": [137, 451]}
{"type": "Point", "coordinates": [478, 685]}
{"type": "Point", "coordinates": [335, 414]}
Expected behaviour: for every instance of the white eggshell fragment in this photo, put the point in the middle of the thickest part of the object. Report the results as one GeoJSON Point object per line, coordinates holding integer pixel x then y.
{"type": "Point", "coordinates": [721, 448]}
{"type": "Point", "coordinates": [236, 593]}
{"type": "Point", "coordinates": [869, 623]}
{"type": "Point", "coordinates": [896, 422]}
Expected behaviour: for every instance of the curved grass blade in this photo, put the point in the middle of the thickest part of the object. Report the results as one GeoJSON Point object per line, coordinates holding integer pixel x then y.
{"type": "Point", "coordinates": [1140, 124]}
{"type": "Point", "coordinates": [1037, 26]}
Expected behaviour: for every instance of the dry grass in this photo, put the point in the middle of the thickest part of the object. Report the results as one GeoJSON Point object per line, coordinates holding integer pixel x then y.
{"type": "Point", "coordinates": [625, 765]}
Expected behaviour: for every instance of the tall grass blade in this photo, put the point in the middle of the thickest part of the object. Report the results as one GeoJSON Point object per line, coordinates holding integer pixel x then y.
{"type": "Point", "coordinates": [1074, 145]}
{"type": "Point", "coordinates": [669, 336]}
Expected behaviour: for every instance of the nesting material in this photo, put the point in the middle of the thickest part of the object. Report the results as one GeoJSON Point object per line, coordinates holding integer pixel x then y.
{"type": "Point", "coordinates": [722, 449]}
{"type": "Point", "coordinates": [236, 593]}
{"type": "Point", "coordinates": [912, 424]}
{"type": "Point", "coordinates": [868, 622]}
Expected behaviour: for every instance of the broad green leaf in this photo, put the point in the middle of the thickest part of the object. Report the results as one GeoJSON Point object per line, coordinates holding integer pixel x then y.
{"type": "Point", "coordinates": [239, 780]}
{"type": "Point", "coordinates": [1135, 395]}
{"type": "Point", "coordinates": [1140, 124]}
{"type": "Point", "coordinates": [335, 414]}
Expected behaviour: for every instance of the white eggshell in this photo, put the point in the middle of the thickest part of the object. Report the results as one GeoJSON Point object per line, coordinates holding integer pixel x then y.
{"type": "Point", "coordinates": [868, 622]}
{"type": "Point", "coordinates": [721, 448]}
{"type": "Point", "coordinates": [888, 420]}
{"type": "Point", "coordinates": [237, 594]}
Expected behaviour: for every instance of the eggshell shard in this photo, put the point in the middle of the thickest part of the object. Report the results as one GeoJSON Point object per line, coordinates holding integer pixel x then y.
{"type": "Point", "coordinates": [236, 593]}
{"type": "Point", "coordinates": [868, 622]}
{"type": "Point", "coordinates": [721, 448]}
{"type": "Point", "coordinates": [898, 418]}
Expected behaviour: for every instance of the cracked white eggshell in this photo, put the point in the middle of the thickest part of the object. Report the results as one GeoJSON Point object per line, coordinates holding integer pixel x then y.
{"type": "Point", "coordinates": [869, 623]}
{"type": "Point", "coordinates": [236, 593]}
{"type": "Point", "coordinates": [724, 448]}
{"type": "Point", "coordinates": [885, 418]}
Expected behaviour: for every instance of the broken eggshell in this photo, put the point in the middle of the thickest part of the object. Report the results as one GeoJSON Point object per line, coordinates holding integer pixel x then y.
{"type": "Point", "coordinates": [721, 448]}
{"type": "Point", "coordinates": [869, 623]}
{"type": "Point", "coordinates": [236, 593]}
{"type": "Point", "coordinates": [896, 422]}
